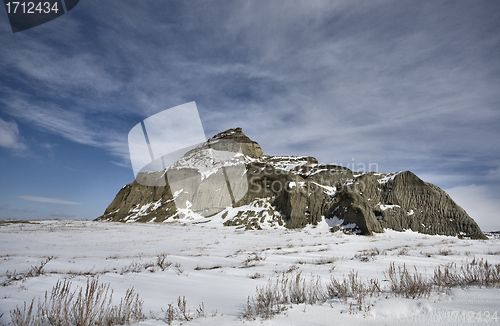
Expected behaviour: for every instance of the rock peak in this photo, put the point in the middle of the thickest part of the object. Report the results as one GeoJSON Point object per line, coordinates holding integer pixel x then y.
{"type": "Point", "coordinates": [248, 147]}
{"type": "Point", "coordinates": [230, 133]}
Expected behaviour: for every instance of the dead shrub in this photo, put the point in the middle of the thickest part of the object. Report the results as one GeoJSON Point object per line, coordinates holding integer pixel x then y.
{"type": "Point", "coordinates": [477, 272]}
{"type": "Point", "coordinates": [162, 263]}
{"type": "Point", "coordinates": [134, 267]}
{"type": "Point", "coordinates": [355, 289]}
{"type": "Point", "coordinates": [151, 266]}
{"type": "Point", "coordinates": [248, 311]}
{"type": "Point", "coordinates": [272, 298]}
{"type": "Point", "coordinates": [199, 268]}
{"type": "Point", "coordinates": [369, 254]}
{"type": "Point", "coordinates": [294, 289]}
{"type": "Point", "coordinates": [401, 282]}
{"type": "Point", "coordinates": [89, 307]}
{"type": "Point", "coordinates": [445, 252]}
{"type": "Point", "coordinates": [252, 260]}
{"type": "Point", "coordinates": [33, 271]}
{"type": "Point", "coordinates": [170, 317]}
{"type": "Point", "coordinates": [268, 301]}
{"type": "Point", "coordinates": [256, 276]}
{"type": "Point", "coordinates": [325, 261]}
{"type": "Point", "coordinates": [403, 252]}
{"type": "Point", "coordinates": [181, 313]}
{"type": "Point", "coordinates": [178, 268]}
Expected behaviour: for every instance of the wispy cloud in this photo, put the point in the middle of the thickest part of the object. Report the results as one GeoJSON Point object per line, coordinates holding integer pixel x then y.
{"type": "Point", "coordinates": [405, 85]}
{"type": "Point", "coordinates": [10, 137]}
{"type": "Point", "coordinates": [74, 126]}
{"type": "Point", "coordinates": [49, 200]}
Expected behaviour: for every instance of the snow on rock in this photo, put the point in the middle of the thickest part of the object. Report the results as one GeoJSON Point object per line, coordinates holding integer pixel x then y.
{"type": "Point", "coordinates": [384, 207]}
{"type": "Point", "coordinates": [230, 170]}
{"type": "Point", "coordinates": [386, 177]}
{"type": "Point", "coordinates": [259, 214]}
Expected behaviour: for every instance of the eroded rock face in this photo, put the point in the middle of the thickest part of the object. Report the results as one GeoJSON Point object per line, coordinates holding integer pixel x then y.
{"type": "Point", "coordinates": [248, 147]}
{"type": "Point", "coordinates": [251, 190]}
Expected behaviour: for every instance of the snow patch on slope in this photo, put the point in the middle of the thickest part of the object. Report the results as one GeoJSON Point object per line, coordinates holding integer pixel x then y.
{"type": "Point", "coordinates": [259, 212]}
{"type": "Point", "coordinates": [386, 177]}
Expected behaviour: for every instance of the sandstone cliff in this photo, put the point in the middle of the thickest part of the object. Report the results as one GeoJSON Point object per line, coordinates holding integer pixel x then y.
{"type": "Point", "coordinates": [228, 178]}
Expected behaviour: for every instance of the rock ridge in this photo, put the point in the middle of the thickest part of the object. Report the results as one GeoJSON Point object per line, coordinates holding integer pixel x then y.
{"type": "Point", "coordinates": [252, 191]}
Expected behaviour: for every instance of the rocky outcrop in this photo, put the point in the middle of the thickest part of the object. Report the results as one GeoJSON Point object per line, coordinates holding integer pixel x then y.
{"type": "Point", "coordinates": [229, 179]}
{"type": "Point", "coordinates": [248, 147]}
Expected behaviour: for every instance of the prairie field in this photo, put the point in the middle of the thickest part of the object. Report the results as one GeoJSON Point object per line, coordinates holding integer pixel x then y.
{"type": "Point", "coordinates": [205, 274]}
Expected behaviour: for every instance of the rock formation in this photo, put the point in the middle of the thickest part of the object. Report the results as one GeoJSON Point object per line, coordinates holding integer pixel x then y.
{"type": "Point", "coordinates": [228, 178]}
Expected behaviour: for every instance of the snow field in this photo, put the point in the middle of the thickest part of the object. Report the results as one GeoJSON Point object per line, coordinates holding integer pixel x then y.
{"type": "Point", "coordinates": [221, 266]}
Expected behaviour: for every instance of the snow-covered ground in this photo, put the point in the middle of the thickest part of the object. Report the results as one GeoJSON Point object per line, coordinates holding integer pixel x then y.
{"type": "Point", "coordinates": [221, 266]}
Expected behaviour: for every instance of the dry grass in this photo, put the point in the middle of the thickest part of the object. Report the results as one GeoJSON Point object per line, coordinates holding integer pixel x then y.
{"type": "Point", "coordinates": [89, 307]}
{"type": "Point", "coordinates": [199, 268]}
{"type": "Point", "coordinates": [266, 303]}
{"type": "Point", "coordinates": [178, 269]}
{"type": "Point", "coordinates": [445, 252]}
{"type": "Point", "coordinates": [352, 288]}
{"type": "Point", "coordinates": [292, 288]}
{"type": "Point", "coordinates": [88, 273]}
{"type": "Point", "coordinates": [290, 269]}
{"type": "Point", "coordinates": [475, 273]}
{"type": "Point", "coordinates": [181, 312]}
{"type": "Point", "coordinates": [33, 271]}
{"type": "Point", "coordinates": [369, 254]}
{"type": "Point", "coordinates": [7, 222]}
{"type": "Point", "coordinates": [325, 261]}
{"type": "Point", "coordinates": [256, 276]}
{"type": "Point", "coordinates": [401, 282]}
{"type": "Point", "coordinates": [295, 289]}
{"type": "Point", "coordinates": [287, 289]}
{"type": "Point", "coordinates": [135, 267]}
{"type": "Point", "coordinates": [252, 260]}
{"type": "Point", "coordinates": [162, 263]}
{"type": "Point", "coordinates": [151, 266]}
{"type": "Point", "coordinates": [403, 252]}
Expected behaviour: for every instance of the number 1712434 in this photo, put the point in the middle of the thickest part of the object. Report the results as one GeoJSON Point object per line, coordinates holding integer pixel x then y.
{"type": "Point", "coordinates": [39, 7]}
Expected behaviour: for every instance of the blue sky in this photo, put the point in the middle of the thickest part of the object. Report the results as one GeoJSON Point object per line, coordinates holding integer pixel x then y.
{"type": "Point", "coordinates": [408, 85]}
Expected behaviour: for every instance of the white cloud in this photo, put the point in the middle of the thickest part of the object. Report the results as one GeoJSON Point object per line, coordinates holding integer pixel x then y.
{"type": "Point", "coordinates": [9, 136]}
{"type": "Point", "coordinates": [49, 200]}
{"type": "Point", "coordinates": [481, 202]}
{"type": "Point", "coordinates": [329, 79]}
{"type": "Point", "coordinates": [74, 126]}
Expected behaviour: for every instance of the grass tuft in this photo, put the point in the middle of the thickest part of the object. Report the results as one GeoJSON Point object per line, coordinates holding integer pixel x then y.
{"type": "Point", "coordinates": [181, 312]}
{"type": "Point", "coordinates": [401, 282]}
